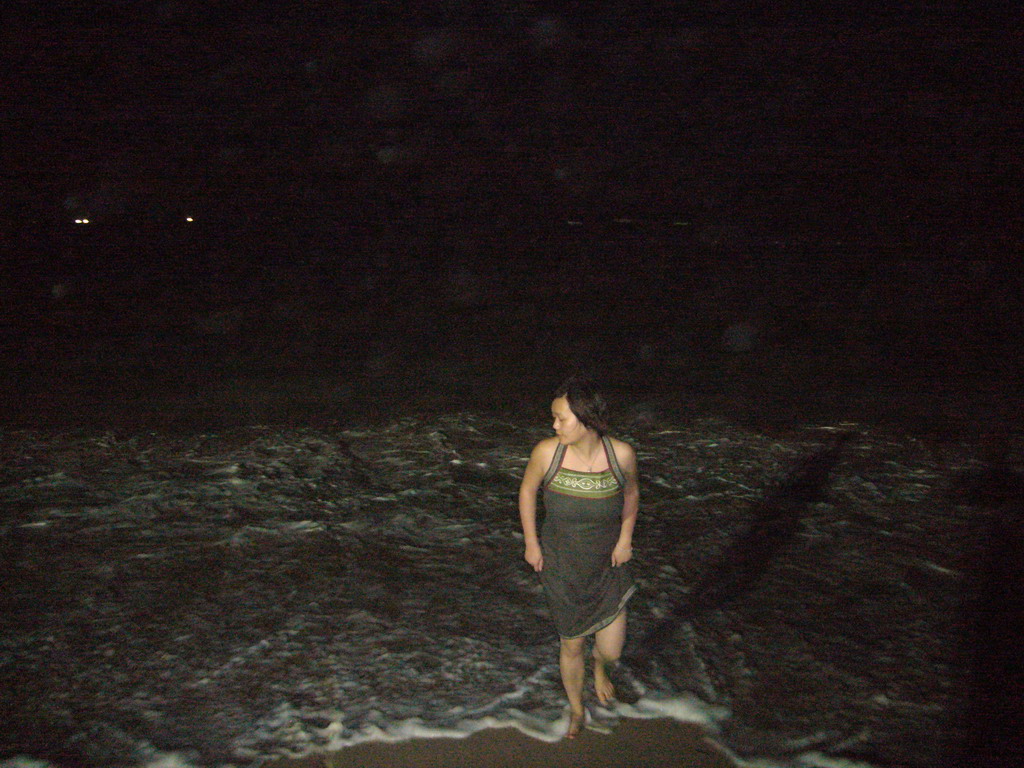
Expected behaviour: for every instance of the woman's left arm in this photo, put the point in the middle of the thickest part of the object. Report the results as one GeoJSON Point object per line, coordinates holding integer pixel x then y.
{"type": "Point", "coordinates": [623, 551]}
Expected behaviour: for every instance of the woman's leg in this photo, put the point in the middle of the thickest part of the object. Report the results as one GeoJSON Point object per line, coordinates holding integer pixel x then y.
{"type": "Point", "coordinates": [608, 644]}
{"type": "Point", "coordinates": [570, 661]}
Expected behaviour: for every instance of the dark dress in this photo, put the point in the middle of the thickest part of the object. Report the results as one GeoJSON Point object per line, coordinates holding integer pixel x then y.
{"type": "Point", "coordinates": [582, 521]}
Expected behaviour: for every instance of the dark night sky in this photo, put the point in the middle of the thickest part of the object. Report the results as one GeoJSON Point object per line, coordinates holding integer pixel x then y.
{"type": "Point", "coordinates": [845, 173]}
{"type": "Point", "coordinates": [127, 110]}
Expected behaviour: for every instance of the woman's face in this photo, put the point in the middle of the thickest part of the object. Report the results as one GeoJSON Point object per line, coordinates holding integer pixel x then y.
{"type": "Point", "coordinates": [568, 428]}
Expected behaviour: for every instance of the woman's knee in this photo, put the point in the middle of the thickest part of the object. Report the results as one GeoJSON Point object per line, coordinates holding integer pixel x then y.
{"type": "Point", "coordinates": [573, 646]}
{"type": "Point", "coordinates": [608, 651]}
{"type": "Point", "coordinates": [609, 642]}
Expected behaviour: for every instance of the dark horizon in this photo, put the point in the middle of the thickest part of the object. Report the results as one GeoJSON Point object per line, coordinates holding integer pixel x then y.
{"type": "Point", "coordinates": [600, 113]}
{"type": "Point", "coordinates": [842, 187]}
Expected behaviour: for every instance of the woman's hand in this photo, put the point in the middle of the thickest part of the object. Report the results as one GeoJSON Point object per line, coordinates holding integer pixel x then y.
{"type": "Point", "coordinates": [622, 553]}
{"type": "Point", "coordinates": [535, 557]}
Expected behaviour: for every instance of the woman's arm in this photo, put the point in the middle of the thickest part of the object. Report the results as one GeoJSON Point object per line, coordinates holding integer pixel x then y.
{"type": "Point", "coordinates": [623, 551]}
{"type": "Point", "coordinates": [532, 478]}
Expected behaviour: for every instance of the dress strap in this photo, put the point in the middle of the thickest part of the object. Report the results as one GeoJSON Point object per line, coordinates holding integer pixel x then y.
{"type": "Point", "coordinates": [613, 463]}
{"type": "Point", "coordinates": [556, 464]}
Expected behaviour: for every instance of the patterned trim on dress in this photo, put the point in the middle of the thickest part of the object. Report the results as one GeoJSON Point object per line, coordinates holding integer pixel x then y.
{"type": "Point", "coordinates": [585, 485]}
{"type": "Point", "coordinates": [609, 452]}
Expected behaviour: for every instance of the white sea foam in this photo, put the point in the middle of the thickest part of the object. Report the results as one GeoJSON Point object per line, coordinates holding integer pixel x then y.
{"type": "Point", "coordinates": [366, 588]}
{"type": "Point", "coordinates": [681, 708]}
{"type": "Point", "coordinates": [685, 709]}
{"type": "Point", "coordinates": [821, 760]}
{"type": "Point", "coordinates": [168, 760]}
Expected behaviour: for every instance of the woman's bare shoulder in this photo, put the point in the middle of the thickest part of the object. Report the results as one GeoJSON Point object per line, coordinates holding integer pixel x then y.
{"type": "Point", "coordinates": [540, 459]}
{"type": "Point", "coordinates": [623, 451]}
{"type": "Point", "coordinates": [545, 449]}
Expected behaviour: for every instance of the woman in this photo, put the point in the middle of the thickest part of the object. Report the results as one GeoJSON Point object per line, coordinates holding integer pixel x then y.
{"type": "Point", "coordinates": [591, 500]}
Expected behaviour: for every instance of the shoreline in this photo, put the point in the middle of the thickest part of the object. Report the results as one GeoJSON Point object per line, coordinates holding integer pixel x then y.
{"type": "Point", "coordinates": [652, 743]}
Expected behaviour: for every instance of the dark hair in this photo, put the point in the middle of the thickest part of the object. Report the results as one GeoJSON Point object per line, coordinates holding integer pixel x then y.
{"type": "Point", "coordinates": [586, 402]}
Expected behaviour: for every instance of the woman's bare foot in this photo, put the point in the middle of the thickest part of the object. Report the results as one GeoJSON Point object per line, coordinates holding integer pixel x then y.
{"type": "Point", "coordinates": [576, 723]}
{"type": "Point", "coordinates": [602, 684]}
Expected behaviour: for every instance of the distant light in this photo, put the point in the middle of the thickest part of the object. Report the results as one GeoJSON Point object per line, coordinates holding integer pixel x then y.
{"type": "Point", "coordinates": [81, 221]}
{"type": "Point", "coordinates": [189, 218]}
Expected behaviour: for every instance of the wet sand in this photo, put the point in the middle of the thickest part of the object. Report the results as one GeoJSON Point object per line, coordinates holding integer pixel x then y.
{"type": "Point", "coordinates": [651, 743]}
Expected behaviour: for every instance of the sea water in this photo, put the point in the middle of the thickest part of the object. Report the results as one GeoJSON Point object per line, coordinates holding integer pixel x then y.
{"type": "Point", "coordinates": [228, 598]}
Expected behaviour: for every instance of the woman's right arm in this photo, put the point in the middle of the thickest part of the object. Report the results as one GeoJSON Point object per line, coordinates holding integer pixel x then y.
{"type": "Point", "coordinates": [532, 478]}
